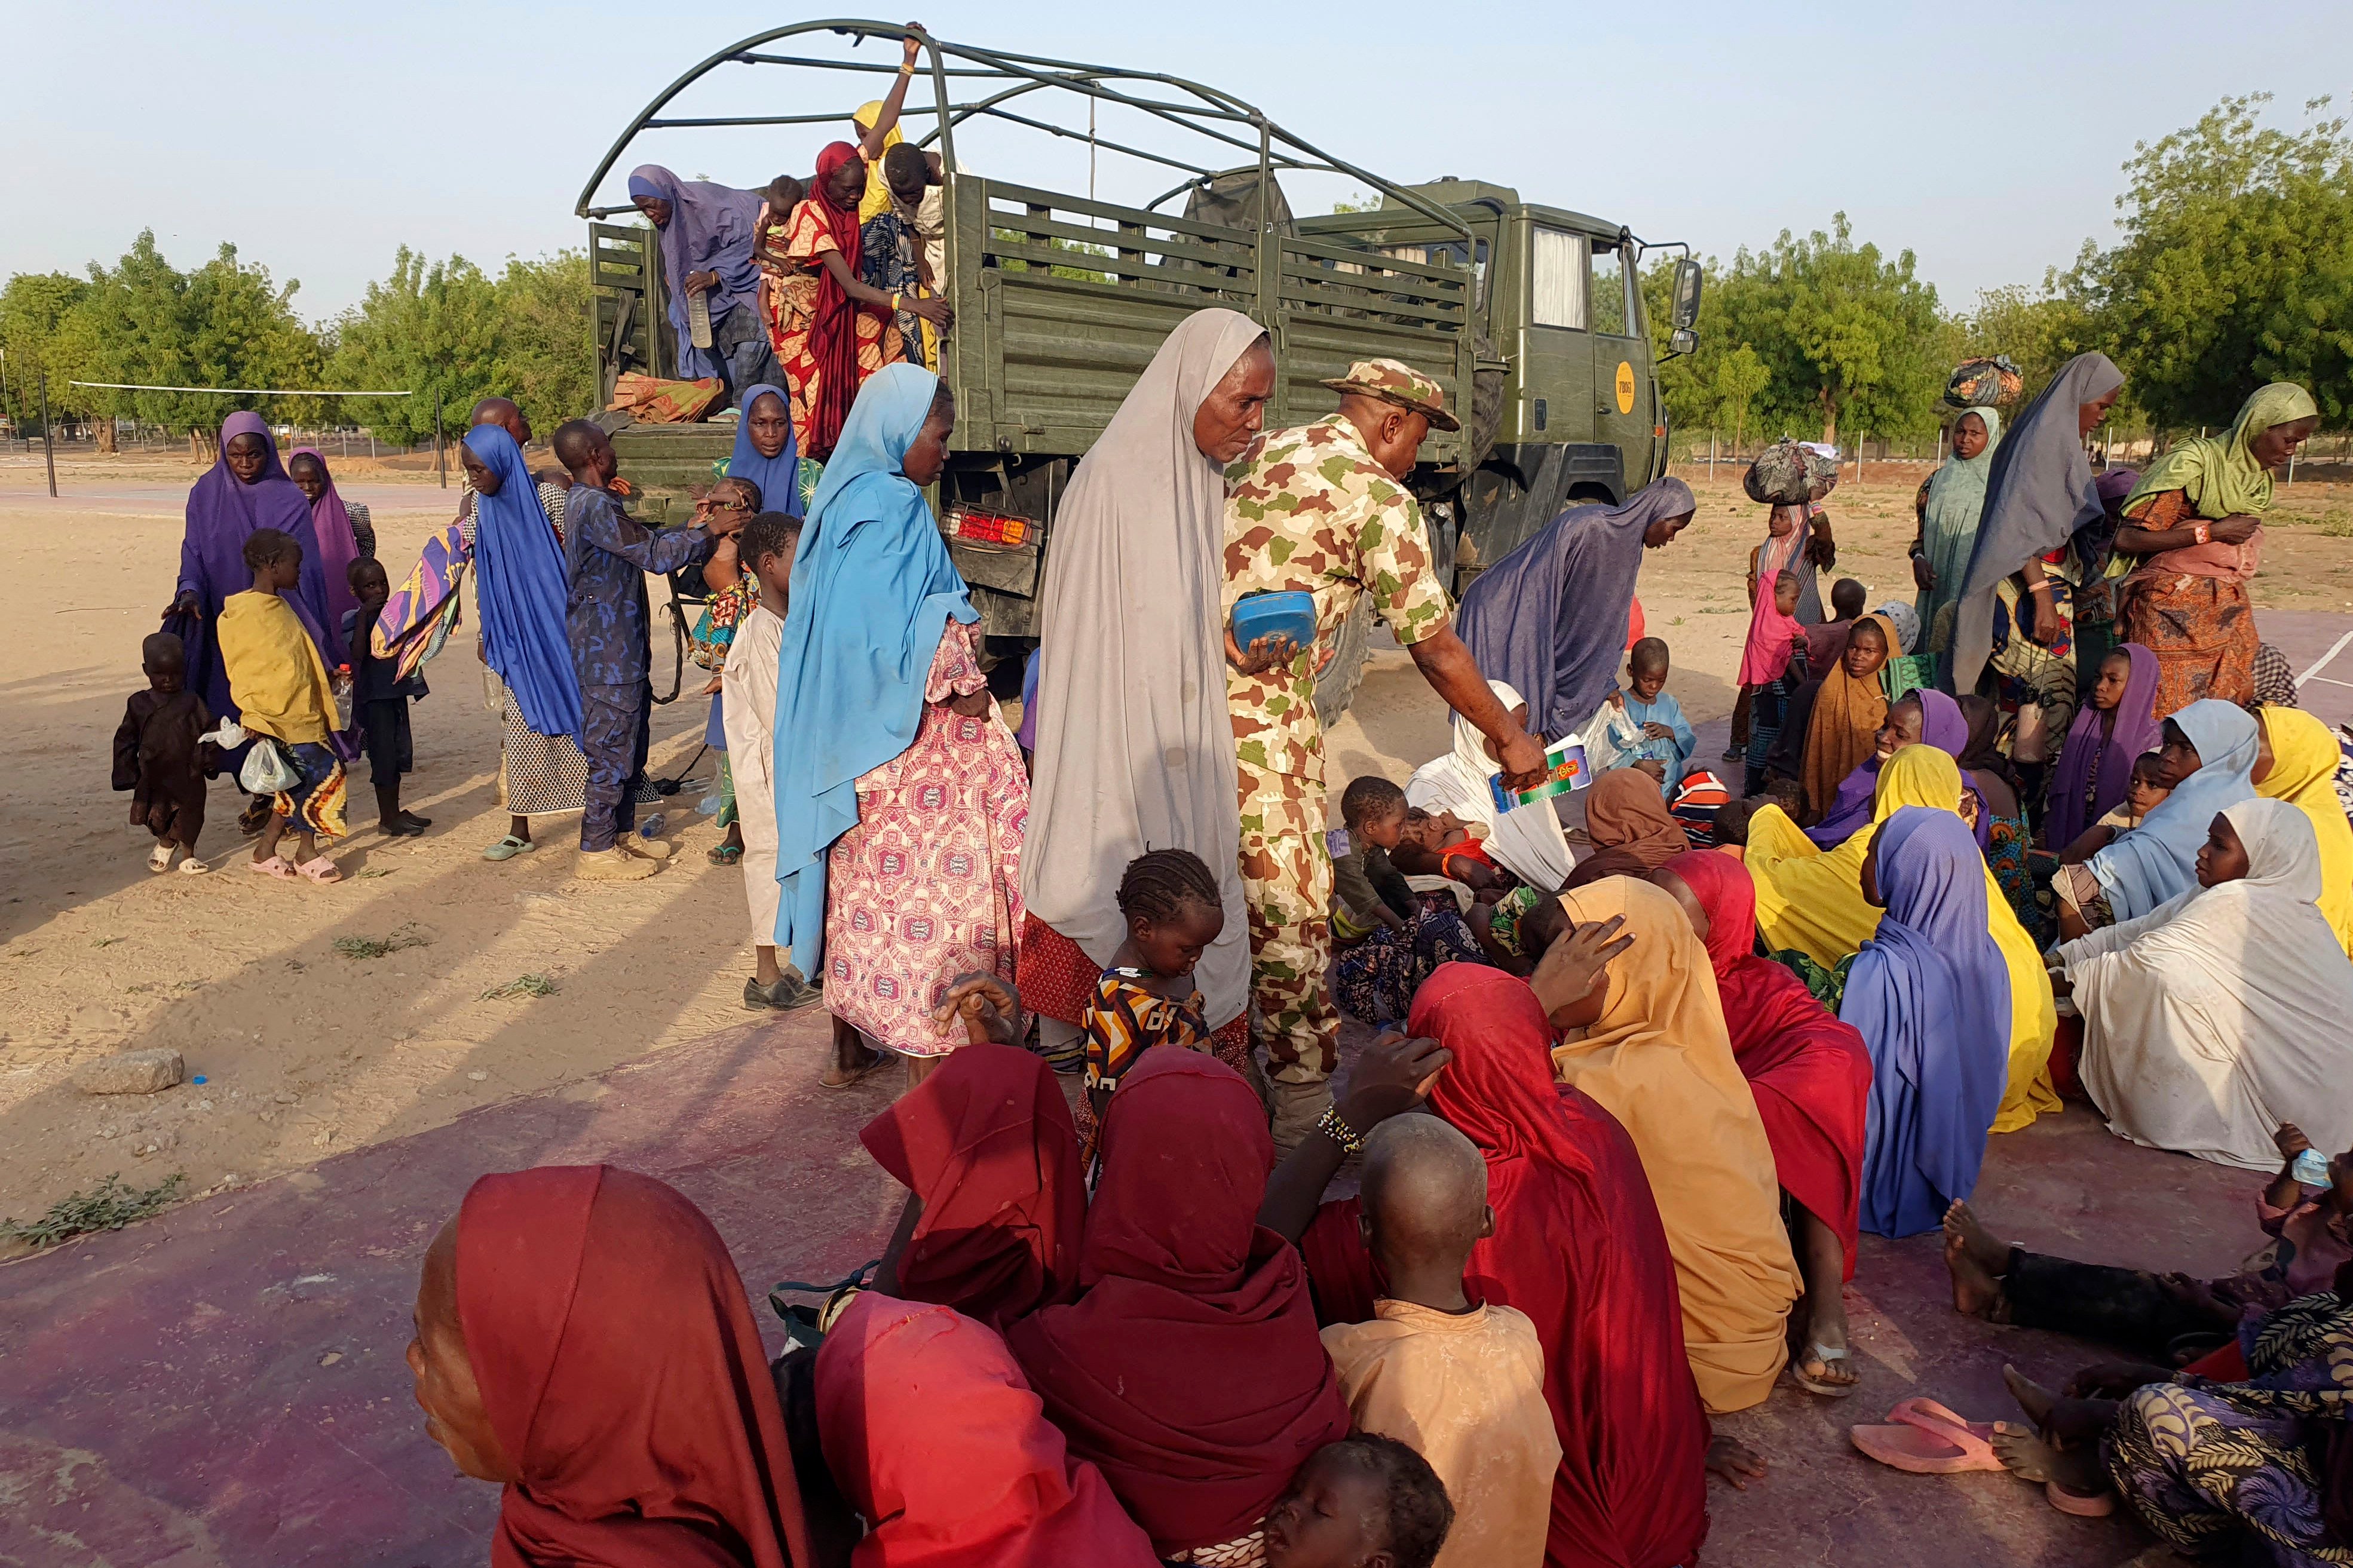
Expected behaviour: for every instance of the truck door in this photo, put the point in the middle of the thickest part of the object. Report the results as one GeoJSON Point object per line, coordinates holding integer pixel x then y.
{"type": "Point", "coordinates": [1622, 411]}
{"type": "Point", "coordinates": [1555, 402]}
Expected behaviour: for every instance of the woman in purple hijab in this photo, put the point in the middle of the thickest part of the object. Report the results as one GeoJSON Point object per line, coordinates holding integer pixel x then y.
{"type": "Point", "coordinates": [1923, 717]}
{"type": "Point", "coordinates": [339, 543]}
{"type": "Point", "coordinates": [246, 489]}
{"type": "Point", "coordinates": [707, 234]}
{"type": "Point", "coordinates": [1549, 618]}
{"type": "Point", "coordinates": [2110, 731]}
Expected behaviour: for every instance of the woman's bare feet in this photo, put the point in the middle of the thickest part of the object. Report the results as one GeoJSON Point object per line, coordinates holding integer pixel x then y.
{"type": "Point", "coordinates": [1817, 1340]}
{"type": "Point", "coordinates": [1976, 1260]}
{"type": "Point", "coordinates": [852, 1058]}
{"type": "Point", "coordinates": [2030, 1458]}
{"type": "Point", "coordinates": [2031, 1396]}
{"type": "Point", "coordinates": [2065, 1423]}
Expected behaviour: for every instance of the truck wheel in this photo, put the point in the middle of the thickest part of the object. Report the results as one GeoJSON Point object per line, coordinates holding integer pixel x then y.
{"type": "Point", "coordinates": [1337, 687]}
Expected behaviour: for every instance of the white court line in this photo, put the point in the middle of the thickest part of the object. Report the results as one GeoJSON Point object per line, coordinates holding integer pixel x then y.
{"type": "Point", "coordinates": [2326, 680]}
{"type": "Point", "coordinates": [2322, 662]}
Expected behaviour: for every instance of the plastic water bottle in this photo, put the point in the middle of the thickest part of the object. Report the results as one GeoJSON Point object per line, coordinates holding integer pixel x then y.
{"type": "Point", "coordinates": [2311, 1168]}
{"type": "Point", "coordinates": [652, 827]}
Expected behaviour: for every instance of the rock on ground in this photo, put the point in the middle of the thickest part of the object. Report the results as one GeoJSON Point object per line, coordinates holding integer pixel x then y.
{"type": "Point", "coordinates": [130, 1072]}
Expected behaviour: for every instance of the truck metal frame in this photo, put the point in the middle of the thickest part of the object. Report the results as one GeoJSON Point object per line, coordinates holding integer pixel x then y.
{"type": "Point", "coordinates": [1062, 301]}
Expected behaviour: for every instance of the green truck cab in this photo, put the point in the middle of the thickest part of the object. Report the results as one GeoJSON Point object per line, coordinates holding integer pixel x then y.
{"type": "Point", "coordinates": [1530, 317]}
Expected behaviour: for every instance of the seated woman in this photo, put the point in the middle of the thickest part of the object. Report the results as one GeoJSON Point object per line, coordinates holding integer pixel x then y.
{"type": "Point", "coordinates": [2246, 1472]}
{"type": "Point", "coordinates": [2115, 726]}
{"type": "Point", "coordinates": [2295, 761]}
{"type": "Point", "coordinates": [1578, 1248]}
{"type": "Point", "coordinates": [1525, 841]}
{"type": "Point", "coordinates": [1811, 1076]}
{"type": "Point", "coordinates": [1632, 832]}
{"type": "Point", "coordinates": [1919, 719]}
{"type": "Point", "coordinates": [1930, 997]}
{"type": "Point", "coordinates": [1810, 902]}
{"type": "Point", "coordinates": [1652, 1048]}
{"type": "Point", "coordinates": [584, 1340]}
{"type": "Point", "coordinates": [1831, 724]}
{"type": "Point", "coordinates": [2209, 751]}
{"type": "Point", "coordinates": [934, 1437]}
{"type": "Point", "coordinates": [2214, 1017]}
{"type": "Point", "coordinates": [1188, 1368]}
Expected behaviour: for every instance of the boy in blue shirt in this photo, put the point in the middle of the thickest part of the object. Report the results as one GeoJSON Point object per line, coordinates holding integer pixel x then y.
{"type": "Point", "coordinates": [1667, 737]}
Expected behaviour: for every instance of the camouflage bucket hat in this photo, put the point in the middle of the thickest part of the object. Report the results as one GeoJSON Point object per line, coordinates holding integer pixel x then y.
{"type": "Point", "coordinates": [1399, 383]}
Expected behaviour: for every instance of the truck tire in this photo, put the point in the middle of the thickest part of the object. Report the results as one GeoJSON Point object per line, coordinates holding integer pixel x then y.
{"type": "Point", "coordinates": [1335, 689]}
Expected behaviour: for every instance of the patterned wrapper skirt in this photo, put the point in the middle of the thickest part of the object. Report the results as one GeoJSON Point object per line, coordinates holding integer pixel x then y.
{"type": "Point", "coordinates": [540, 775]}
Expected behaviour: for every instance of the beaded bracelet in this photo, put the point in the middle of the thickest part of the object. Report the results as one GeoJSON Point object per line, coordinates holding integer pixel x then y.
{"type": "Point", "coordinates": [1333, 1127]}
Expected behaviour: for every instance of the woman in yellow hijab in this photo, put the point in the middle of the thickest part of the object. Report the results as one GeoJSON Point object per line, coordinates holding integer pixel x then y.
{"type": "Point", "coordinates": [2295, 761]}
{"type": "Point", "coordinates": [1811, 900]}
{"type": "Point", "coordinates": [1650, 1044]}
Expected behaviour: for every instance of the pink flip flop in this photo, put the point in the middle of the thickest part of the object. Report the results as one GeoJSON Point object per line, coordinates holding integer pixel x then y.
{"type": "Point", "coordinates": [1923, 1438]}
{"type": "Point", "coordinates": [321, 869]}
{"type": "Point", "coordinates": [275, 865]}
{"type": "Point", "coordinates": [2076, 1504]}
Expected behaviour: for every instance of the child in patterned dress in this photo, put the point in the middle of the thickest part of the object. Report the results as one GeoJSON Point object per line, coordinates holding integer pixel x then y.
{"type": "Point", "coordinates": [1169, 898]}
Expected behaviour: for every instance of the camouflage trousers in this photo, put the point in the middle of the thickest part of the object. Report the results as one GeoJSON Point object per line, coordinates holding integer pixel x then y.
{"type": "Point", "coordinates": [1287, 887]}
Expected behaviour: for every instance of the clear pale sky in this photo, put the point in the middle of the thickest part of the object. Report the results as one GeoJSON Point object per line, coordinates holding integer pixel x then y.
{"type": "Point", "coordinates": [1985, 137]}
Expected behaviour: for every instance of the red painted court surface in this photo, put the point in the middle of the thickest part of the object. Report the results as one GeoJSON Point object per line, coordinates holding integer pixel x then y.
{"type": "Point", "coordinates": [225, 1385]}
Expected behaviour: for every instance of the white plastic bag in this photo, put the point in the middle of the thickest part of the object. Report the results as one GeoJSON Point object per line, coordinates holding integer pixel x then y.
{"type": "Point", "coordinates": [266, 769]}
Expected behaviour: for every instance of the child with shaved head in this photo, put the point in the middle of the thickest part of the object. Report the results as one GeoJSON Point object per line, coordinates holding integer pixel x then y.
{"type": "Point", "coordinates": [1461, 1382]}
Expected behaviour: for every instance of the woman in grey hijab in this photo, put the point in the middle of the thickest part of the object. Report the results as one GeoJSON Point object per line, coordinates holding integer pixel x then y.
{"type": "Point", "coordinates": [2038, 493]}
{"type": "Point", "coordinates": [1135, 746]}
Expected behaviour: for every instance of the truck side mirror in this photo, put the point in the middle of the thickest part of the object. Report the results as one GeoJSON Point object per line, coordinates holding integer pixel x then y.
{"type": "Point", "coordinates": [1683, 340]}
{"type": "Point", "coordinates": [1686, 306]}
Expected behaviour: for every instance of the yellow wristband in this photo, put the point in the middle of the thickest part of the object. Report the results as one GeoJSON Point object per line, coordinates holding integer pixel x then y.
{"type": "Point", "coordinates": [894, 304]}
{"type": "Point", "coordinates": [906, 68]}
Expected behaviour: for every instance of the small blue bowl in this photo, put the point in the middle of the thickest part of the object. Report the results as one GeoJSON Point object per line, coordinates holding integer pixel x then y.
{"type": "Point", "coordinates": [1288, 614]}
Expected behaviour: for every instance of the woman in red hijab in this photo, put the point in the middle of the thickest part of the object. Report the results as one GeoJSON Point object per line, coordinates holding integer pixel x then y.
{"type": "Point", "coordinates": [1578, 1248]}
{"type": "Point", "coordinates": [1811, 1077]}
{"type": "Point", "coordinates": [996, 1202]}
{"type": "Point", "coordinates": [934, 1434]}
{"type": "Point", "coordinates": [1188, 1369]}
{"type": "Point", "coordinates": [583, 1337]}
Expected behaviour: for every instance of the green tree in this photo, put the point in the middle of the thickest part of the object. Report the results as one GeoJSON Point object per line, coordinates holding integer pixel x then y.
{"type": "Point", "coordinates": [2233, 268]}
{"type": "Point", "coordinates": [1740, 375]}
{"type": "Point", "coordinates": [431, 330]}
{"type": "Point", "coordinates": [547, 359]}
{"type": "Point", "coordinates": [34, 308]}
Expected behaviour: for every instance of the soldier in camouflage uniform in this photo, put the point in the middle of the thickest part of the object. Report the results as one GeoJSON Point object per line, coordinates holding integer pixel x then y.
{"type": "Point", "coordinates": [1322, 508]}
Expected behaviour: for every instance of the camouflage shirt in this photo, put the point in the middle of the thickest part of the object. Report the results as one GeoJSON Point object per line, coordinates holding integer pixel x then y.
{"type": "Point", "coordinates": [1309, 508]}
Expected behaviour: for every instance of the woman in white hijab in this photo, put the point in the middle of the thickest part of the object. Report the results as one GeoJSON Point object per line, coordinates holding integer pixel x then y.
{"type": "Point", "coordinates": [1526, 840]}
{"type": "Point", "coordinates": [2221, 1013]}
{"type": "Point", "coordinates": [1136, 744]}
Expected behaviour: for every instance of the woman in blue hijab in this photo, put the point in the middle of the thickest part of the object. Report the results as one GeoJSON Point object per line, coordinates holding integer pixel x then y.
{"type": "Point", "coordinates": [767, 451]}
{"type": "Point", "coordinates": [2207, 753]}
{"type": "Point", "coordinates": [901, 798]}
{"type": "Point", "coordinates": [1930, 994]}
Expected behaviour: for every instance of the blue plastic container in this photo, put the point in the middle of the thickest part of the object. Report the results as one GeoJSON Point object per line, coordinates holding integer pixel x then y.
{"type": "Point", "coordinates": [1289, 614]}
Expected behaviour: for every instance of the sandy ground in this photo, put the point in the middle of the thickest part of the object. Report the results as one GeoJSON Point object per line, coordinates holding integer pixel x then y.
{"type": "Point", "coordinates": [306, 1052]}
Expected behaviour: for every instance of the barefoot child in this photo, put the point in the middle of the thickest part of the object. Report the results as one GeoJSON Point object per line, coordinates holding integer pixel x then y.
{"type": "Point", "coordinates": [1667, 737]}
{"type": "Point", "coordinates": [1169, 899]}
{"type": "Point", "coordinates": [1363, 1500]}
{"type": "Point", "coordinates": [1462, 1384]}
{"type": "Point", "coordinates": [159, 758]}
{"type": "Point", "coordinates": [280, 686]}
{"type": "Point", "coordinates": [749, 696]}
{"type": "Point", "coordinates": [381, 697]}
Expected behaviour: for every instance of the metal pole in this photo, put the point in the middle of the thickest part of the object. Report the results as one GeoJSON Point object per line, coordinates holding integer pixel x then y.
{"type": "Point", "coordinates": [440, 459]}
{"type": "Point", "coordinates": [1711, 456]}
{"type": "Point", "coordinates": [48, 447]}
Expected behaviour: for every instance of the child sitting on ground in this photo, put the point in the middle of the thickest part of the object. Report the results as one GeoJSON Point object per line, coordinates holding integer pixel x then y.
{"type": "Point", "coordinates": [1171, 901]}
{"type": "Point", "coordinates": [1418, 843]}
{"type": "Point", "coordinates": [1459, 1383]}
{"type": "Point", "coordinates": [1361, 1500]}
{"type": "Point", "coordinates": [748, 702]}
{"type": "Point", "coordinates": [159, 757]}
{"type": "Point", "coordinates": [381, 696]}
{"type": "Point", "coordinates": [280, 686]}
{"type": "Point", "coordinates": [1667, 740]}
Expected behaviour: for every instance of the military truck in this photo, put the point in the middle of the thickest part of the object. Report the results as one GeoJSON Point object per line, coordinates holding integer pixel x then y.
{"type": "Point", "coordinates": [1530, 316]}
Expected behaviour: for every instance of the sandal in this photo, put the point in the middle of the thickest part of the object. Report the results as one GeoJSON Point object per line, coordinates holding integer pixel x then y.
{"type": "Point", "coordinates": [507, 848]}
{"type": "Point", "coordinates": [191, 867]}
{"type": "Point", "coordinates": [2096, 1505]}
{"type": "Point", "coordinates": [724, 854]}
{"type": "Point", "coordinates": [275, 866]}
{"type": "Point", "coordinates": [881, 1059]}
{"type": "Point", "coordinates": [320, 870]}
{"type": "Point", "coordinates": [1828, 1357]}
{"type": "Point", "coordinates": [159, 857]}
{"type": "Point", "coordinates": [1923, 1438]}
{"type": "Point", "coordinates": [252, 820]}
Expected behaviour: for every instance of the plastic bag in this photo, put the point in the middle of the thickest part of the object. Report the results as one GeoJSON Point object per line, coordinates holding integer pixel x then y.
{"type": "Point", "coordinates": [1790, 473]}
{"type": "Point", "coordinates": [1992, 383]}
{"type": "Point", "coordinates": [266, 769]}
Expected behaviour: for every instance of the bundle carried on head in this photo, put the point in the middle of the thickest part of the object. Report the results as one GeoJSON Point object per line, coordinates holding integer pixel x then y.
{"type": "Point", "coordinates": [1790, 473]}
{"type": "Point", "coordinates": [1990, 383]}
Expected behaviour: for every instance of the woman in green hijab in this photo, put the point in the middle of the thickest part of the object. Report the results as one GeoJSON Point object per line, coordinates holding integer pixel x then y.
{"type": "Point", "coordinates": [1949, 506]}
{"type": "Point", "coordinates": [2191, 539]}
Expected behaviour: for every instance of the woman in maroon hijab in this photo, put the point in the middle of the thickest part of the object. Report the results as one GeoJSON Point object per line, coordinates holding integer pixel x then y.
{"type": "Point", "coordinates": [582, 1339]}
{"type": "Point", "coordinates": [1811, 1076]}
{"type": "Point", "coordinates": [1578, 1248]}
{"type": "Point", "coordinates": [1188, 1370]}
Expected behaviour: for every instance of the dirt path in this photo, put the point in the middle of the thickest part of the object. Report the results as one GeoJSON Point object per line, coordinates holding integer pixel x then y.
{"type": "Point", "coordinates": [306, 1051]}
